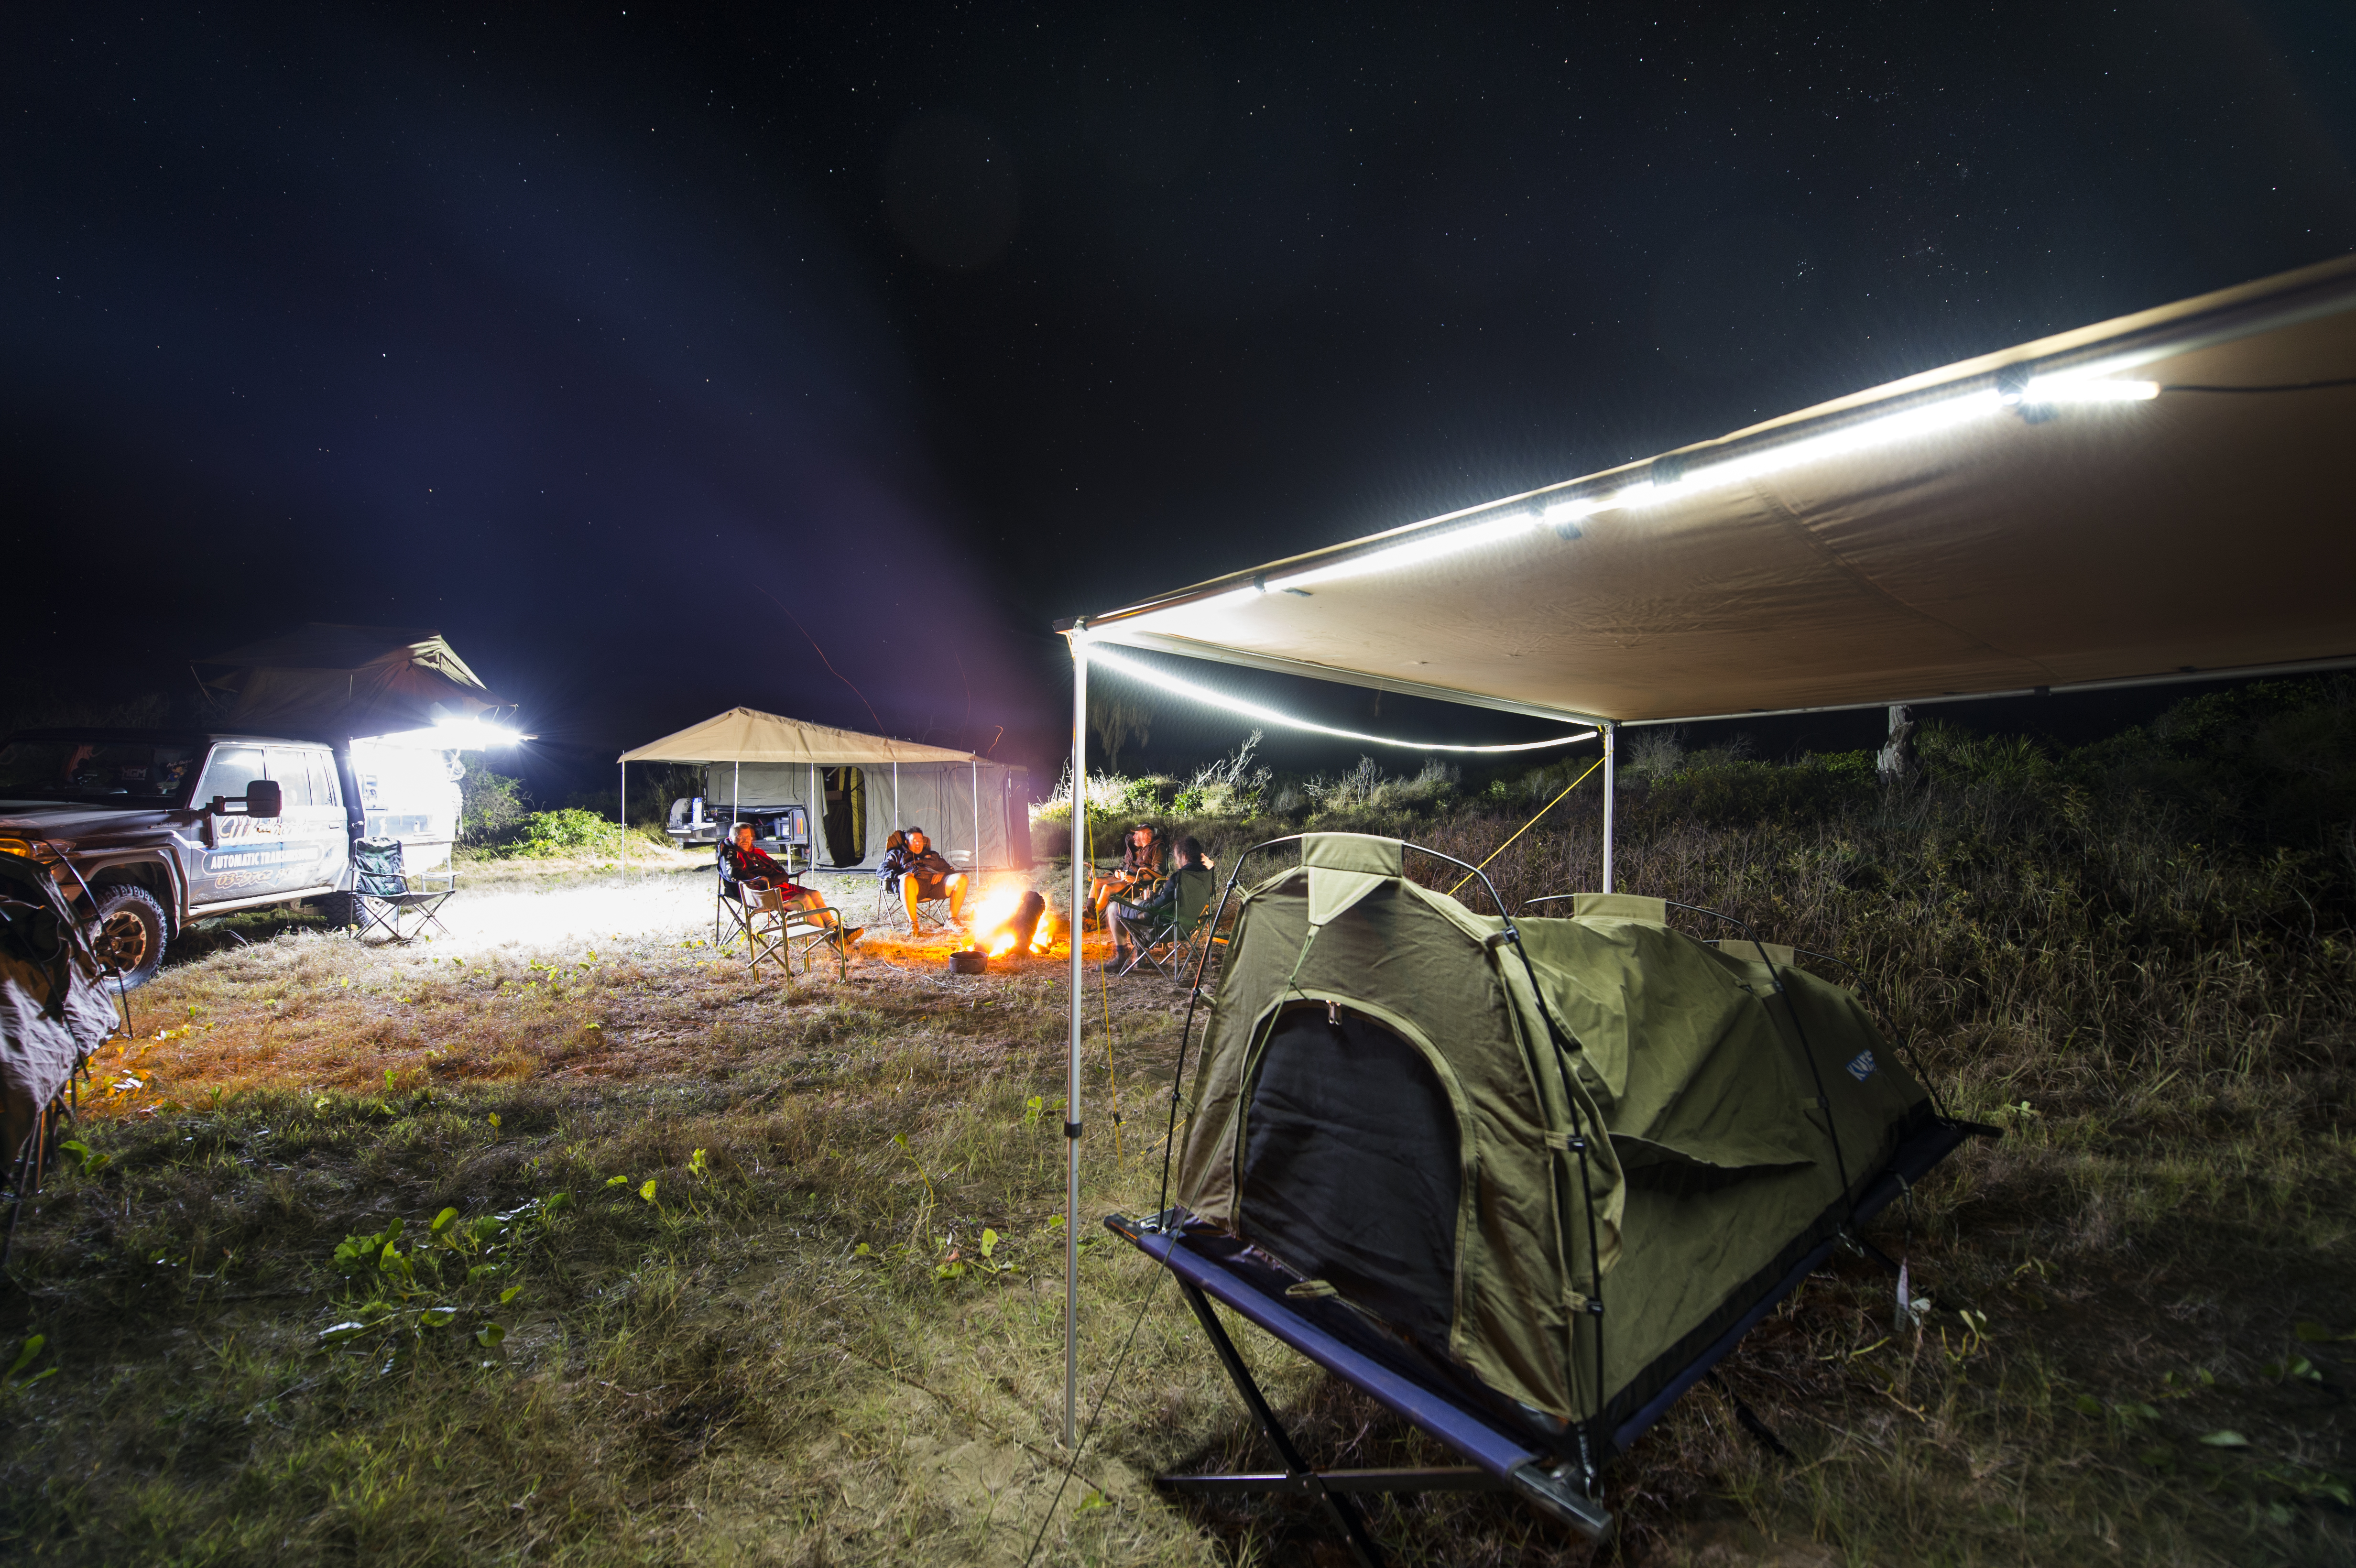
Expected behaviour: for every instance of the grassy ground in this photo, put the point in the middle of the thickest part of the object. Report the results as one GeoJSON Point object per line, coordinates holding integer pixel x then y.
{"type": "Point", "coordinates": [746, 1273]}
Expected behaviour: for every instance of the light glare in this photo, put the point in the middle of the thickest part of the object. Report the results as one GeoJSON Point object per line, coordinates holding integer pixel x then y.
{"type": "Point", "coordinates": [1099, 654]}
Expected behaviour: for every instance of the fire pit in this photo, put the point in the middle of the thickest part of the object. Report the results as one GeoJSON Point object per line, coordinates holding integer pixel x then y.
{"type": "Point", "coordinates": [1007, 922]}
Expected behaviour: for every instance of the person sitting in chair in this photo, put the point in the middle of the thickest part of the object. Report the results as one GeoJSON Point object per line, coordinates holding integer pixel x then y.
{"type": "Point", "coordinates": [1141, 867]}
{"type": "Point", "coordinates": [929, 874]}
{"type": "Point", "coordinates": [747, 865]}
{"type": "Point", "coordinates": [1120, 915]}
{"type": "Point", "coordinates": [895, 864]}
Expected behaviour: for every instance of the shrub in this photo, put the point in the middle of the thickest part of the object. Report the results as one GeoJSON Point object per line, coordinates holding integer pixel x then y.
{"type": "Point", "coordinates": [490, 805]}
{"type": "Point", "coordinates": [547, 834]}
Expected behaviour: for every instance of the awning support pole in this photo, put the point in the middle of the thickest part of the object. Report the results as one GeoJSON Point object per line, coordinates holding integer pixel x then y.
{"type": "Point", "coordinates": [1610, 773]}
{"type": "Point", "coordinates": [625, 822]}
{"type": "Point", "coordinates": [1072, 1087]}
{"type": "Point", "coordinates": [975, 768]}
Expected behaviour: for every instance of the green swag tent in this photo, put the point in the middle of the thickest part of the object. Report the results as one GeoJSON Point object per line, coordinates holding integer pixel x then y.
{"type": "Point", "coordinates": [1392, 1094]}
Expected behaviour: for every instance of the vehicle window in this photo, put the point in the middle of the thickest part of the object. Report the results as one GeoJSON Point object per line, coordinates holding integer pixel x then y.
{"type": "Point", "coordinates": [291, 770]}
{"type": "Point", "coordinates": [119, 771]}
{"type": "Point", "coordinates": [232, 769]}
{"type": "Point", "coordinates": [323, 780]}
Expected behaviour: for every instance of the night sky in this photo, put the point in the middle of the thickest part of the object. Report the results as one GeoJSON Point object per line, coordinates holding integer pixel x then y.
{"type": "Point", "coordinates": [616, 341]}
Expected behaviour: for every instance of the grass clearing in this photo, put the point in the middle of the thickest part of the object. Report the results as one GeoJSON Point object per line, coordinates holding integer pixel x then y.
{"type": "Point", "coordinates": [800, 1301]}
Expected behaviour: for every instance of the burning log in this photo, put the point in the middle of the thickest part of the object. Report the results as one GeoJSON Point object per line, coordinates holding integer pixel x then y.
{"type": "Point", "coordinates": [1007, 922]}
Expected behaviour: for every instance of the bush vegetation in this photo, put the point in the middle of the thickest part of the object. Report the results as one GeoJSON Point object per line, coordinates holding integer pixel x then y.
{"type": "Point", "coordinates": [801, 1297]}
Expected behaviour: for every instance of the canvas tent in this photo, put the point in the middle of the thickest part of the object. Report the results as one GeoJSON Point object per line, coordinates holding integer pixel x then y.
{"type": "Point", "coordinates": [858, 787]}
{"type": "Point", "coordinates": [398, 702]}
{"type": "Point", "coordinates": [341, 681]}
{"type": "Point", "coordinates": [2144, 499]}
{"type": "Point", "coordinates": [1392, 1088]}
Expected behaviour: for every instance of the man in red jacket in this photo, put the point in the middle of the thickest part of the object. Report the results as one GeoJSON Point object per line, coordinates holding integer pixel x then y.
{"type": "Point", "coordinates": [750, 866]}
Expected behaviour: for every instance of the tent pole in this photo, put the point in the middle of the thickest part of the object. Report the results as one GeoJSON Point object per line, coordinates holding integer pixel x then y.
{"type": "Point", "coordinates": [1610, 773]}
{"type": "Point", "coordinates": [1072, 1087]}
{"type": "Point", "coordinates": [625, 822]}
{"type": "Point", "coordinates": [975, 768]}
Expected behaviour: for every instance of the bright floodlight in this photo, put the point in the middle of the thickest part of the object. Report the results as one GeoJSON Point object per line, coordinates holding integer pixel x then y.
{"type": "Point", "coordinates": [452, 735]}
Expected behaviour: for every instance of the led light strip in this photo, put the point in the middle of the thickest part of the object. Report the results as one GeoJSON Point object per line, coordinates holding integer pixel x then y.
{"type": "Point", "coordinates": [1097, 654]}
{"type": "Point", "coordinates": [2025, 397]}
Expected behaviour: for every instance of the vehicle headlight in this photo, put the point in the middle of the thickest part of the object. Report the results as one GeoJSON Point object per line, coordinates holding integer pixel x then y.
{"type": "Point", "coordinates": [31, 848]}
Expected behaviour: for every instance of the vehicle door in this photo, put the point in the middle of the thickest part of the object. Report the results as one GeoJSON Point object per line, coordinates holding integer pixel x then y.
{"type": "Point", "coordinates": [312, 828]}
{"type": "Point", "coordinates": [241, 854]}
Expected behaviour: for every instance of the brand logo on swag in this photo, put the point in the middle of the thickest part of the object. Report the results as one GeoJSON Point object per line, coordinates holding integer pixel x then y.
{"type": "Point", "coordinates": [1862, 1068]}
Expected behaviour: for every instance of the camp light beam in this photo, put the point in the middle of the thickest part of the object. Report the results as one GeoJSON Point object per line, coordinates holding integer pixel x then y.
{"type": "Point", "coordinates": [1097, 654]}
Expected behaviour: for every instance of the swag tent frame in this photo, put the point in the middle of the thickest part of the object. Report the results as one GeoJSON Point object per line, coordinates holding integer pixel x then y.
{"type": "Point", "coordinates": [2148, 500]}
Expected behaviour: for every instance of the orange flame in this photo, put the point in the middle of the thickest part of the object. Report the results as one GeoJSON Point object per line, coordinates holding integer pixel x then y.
{"type": "Point", "coordinates": [996, 907]}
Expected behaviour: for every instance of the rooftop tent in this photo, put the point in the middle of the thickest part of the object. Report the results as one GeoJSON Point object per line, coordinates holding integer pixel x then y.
{"type": "Point", "coordinates": [1392, 1087]}
{"type": "Point", "coordinates": [344, 681]}
{"type": "Point", "coordinates": [859, 787]}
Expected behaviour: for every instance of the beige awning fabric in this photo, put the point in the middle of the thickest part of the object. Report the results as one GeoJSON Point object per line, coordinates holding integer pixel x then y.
{"type": "Point", "coordinates": [2005, 524]}
{"type": "Point", "coordinates": [350, 680]}
{"type": "Point", "coordinates": [749, 735]}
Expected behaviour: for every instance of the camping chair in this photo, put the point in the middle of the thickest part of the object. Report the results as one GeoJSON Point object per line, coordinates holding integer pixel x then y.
{"type": "Point", "coordinates": [775, 930]}
{"type": "Point", "coordinates": [1167, 944]}
{"type": "Point", "coordinates": [389, 897]}
{"type": "Point", "coordinates": [892, 909]}
{"type": "Point", "coordinates": [728, 915]}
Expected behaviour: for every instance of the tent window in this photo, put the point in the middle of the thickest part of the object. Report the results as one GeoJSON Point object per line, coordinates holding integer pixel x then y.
{"type": "Point", "coordinates": [1351, 1167]}
{"type": "Point", "coordinates": [846, 816]}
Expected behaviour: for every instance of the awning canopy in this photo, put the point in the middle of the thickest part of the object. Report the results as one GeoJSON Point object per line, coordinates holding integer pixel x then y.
{"type": "Point", "coordinates": [749, 735]}
{"type": "Point", "coordinates": [2148, 498]}
{"type": "Point", "coordinates": [350, 680]}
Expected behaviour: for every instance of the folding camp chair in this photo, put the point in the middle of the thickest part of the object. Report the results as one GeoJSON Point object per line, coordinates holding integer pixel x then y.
{"type": "Point", "coordinates": [892, 909]}
{"type": "Point", "coordinates": [776, 931]}
{"type": "Point", "coordinates": [1166, 943]}
{"type": "Point", "coordinates": [387, 897]}
{"type": "Point", "coordinates": [727, 904]}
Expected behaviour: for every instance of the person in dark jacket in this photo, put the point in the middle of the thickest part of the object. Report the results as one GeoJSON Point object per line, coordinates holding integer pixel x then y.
{"type": "Point", "coordinates": [929, 874]}
{"type": "Point", "coordinates": [1120, 914]}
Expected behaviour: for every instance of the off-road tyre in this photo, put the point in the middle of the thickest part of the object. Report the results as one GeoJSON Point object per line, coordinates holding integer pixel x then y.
{"type": "Point", "coordinates": [129, 933]}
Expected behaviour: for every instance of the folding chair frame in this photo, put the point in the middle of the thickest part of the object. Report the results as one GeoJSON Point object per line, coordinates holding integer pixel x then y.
{"type": "Point", "coordinates": [420, 900]}
{"type": "Point", "coordinates": [892, 909]}
{"type": "Point", "coordinates": [772, 929]}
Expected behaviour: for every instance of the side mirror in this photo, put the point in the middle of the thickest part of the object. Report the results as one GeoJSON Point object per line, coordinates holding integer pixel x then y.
{"type": "Point", "coordinates": [262, 797]}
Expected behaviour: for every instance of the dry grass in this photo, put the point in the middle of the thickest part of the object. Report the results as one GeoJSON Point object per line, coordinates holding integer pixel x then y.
{"type": "Point", "coordinates": [762, 1363]}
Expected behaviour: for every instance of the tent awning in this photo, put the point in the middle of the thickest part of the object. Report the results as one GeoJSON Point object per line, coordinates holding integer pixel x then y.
{"type": "Point", "coordinates": [749, 735]}
{"type": "Point", "coordinates": [2147, 498]}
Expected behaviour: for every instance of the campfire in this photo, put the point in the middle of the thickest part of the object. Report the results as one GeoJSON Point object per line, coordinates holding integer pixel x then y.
{"type": "Point", "coordinates": [1011, 918]}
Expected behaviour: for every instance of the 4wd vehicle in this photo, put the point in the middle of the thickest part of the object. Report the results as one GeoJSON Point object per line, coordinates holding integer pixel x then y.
{"type": "Point", "coordinates": [149, 830]}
